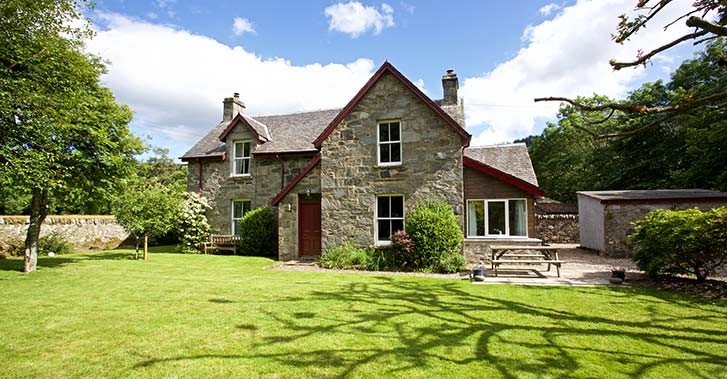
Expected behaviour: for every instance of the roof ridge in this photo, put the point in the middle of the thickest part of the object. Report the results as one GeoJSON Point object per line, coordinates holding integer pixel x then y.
{"type": "Point", "coordinates": [296, 113]}
{"type": "Point", "coordinates": [498, 145]}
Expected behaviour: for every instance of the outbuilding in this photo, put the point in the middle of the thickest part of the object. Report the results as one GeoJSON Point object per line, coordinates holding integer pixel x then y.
{"type": "Point", "coordinates": [606, 216]}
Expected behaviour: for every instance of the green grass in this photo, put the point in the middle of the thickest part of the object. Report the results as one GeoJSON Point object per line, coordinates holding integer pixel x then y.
{"type": "Point", "coordinates": [106, 315]}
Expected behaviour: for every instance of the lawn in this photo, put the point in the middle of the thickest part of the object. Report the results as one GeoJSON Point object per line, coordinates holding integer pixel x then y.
{"type": "Point", "coordinates": [106, 315]}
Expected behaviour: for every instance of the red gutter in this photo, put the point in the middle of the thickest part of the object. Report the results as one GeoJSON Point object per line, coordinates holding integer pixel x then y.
{"type": "Point", "coordinates": [388, 67]}
{"type": "Point", "coordinates": [279, 197]}
{"type": "Point", "coordinates": [507, 178]}
{"type": "Point", "coordinates": [291, 154]}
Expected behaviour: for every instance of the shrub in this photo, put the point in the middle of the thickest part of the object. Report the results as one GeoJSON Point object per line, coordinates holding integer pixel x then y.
{"type": "Point", "coordinates": [258, 232]}
{"type": "Point", "coordinates": [402, 250]}
{"type": "Point", "coordinates": [193, 228]}
{"type": "Point", "coordinates": [437, 237]}
{"type": "Point", "coordinates": [13, 247]}
{"type": "Point", "coordinates": [346, 256]}
{"type": "Point", "coordinates": [55, 243]}
{"type": "Point", "coordinates": [681, 242]}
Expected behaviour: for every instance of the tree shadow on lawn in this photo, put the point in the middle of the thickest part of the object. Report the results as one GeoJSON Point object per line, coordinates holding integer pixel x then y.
{"type": "Point", "coordinates": [421, 325]}
{"type": "Point", "coordinates": [16, 264]}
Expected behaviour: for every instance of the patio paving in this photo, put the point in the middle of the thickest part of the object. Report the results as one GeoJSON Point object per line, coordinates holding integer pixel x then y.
{"type": "Point", "coordinates": [580, 268]}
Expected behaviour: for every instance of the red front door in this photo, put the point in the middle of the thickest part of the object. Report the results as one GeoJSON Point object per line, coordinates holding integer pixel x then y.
{"type": "Point", "coordinates": [309, 226]}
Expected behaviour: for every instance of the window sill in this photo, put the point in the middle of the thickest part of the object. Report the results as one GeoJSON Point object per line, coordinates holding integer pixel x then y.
{"type": "Point", "coordinates": [394, 164]}
{"type": "Point", "coordinates": [382, 243]}
{"type": "Point", "coordinates": [241, 176]}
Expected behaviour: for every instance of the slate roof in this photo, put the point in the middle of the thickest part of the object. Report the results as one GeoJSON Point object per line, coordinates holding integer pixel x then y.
{"type": "Point", "coordinates": [286, 133]}
{"type": "Point", "coordinates": [295, 132]}
{"type": "Point", "coordinates": [654, 195]}
{"type": "Point", "coordinates": [512, 159]}
{"type": "Point", "coordinates": [210, 145]}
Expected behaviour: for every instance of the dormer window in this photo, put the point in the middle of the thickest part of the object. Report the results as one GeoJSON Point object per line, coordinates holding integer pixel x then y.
{"type": "Point", "coordinates": [389, 143]}
{"type": "Point", "coordinates": [241, 158]}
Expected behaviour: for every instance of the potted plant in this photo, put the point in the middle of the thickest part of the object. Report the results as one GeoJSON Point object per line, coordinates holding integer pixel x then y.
{"type": "Point", "coordinates": [618, 275]}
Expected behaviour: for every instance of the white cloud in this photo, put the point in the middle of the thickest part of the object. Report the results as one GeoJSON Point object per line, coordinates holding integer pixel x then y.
{"type": "Point", "coordinates": [242, 25]}
{"type": "Point", "coordinates": [175, 80]}
{"type": "Point", "coordinates": [547, 9]}
{"type": "Point", "coordinates": [564, 56]}
{"type": "Point", "coordinates": [355, 19]}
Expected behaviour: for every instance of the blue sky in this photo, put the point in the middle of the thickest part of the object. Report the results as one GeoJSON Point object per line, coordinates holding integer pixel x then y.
{"type": "Point", "coordinates": [174, 61]}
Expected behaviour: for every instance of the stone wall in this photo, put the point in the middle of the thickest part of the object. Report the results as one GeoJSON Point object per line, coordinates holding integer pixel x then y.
{"type": "Point", "coordinates": [618, 218]}
{"type": "Point", "coordinates": [351, 180]}
{"type": "Point", "coordinates": [267, 177]}
{"type": "Point", "coordinates": [87, 232]}
{"type": "Point", "coordinates": [557, 228]}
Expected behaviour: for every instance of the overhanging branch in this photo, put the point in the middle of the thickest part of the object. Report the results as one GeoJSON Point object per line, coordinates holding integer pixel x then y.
{"type": "Point", "coordinates": [642, 59]}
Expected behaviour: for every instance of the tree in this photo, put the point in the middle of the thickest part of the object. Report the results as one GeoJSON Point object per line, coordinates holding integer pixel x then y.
{"type": "Point", "coordinates": [148, 209]}
{"type": "Point", "coordinates": [59, 128]}
{"type": "Point", "coordinates": [651, 114]}
{"type": "Point", "coordinates": [686, 152]}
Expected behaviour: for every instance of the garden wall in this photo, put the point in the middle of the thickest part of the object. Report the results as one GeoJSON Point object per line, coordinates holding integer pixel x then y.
{"type": "Point", "coordinates": [557, 228]}
{"type": "Point", "coordinates": [87, 232]}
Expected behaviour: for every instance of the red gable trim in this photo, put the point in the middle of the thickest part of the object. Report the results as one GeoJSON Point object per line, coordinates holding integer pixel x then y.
{"type": "Point", "coordinates": [279, 197]}
{"type": "Point", "coordinates": [388, 67]}
{"type": "Point", "coordinates": [507, 178]}
{"type": "Point", "coordinates": [234, 122]}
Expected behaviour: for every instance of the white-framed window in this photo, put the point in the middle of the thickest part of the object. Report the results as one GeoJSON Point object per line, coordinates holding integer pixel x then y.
{"type": "Point", "coordinates": [239, 208]}
{"type": "Point", "coordinates": [241, 158]}
{"type": "Point", "coordinates": [389, 143]}
{"type": "Point", "coordinates": [497, 218]}
{"type": "Point", "coordinates": [389, 217]}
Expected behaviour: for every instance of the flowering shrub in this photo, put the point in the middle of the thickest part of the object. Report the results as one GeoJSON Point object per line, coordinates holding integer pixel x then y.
{"type": "Point", "coordinates": [401, 242]}
{"type": "Point", "coordinates": [192, 223]}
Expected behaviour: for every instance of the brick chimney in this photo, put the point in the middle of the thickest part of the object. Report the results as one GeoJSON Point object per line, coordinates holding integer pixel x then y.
{"type": "Point", "coordinates": [232, 106]}
{"type": "Point", "coordinates": [450, 85]}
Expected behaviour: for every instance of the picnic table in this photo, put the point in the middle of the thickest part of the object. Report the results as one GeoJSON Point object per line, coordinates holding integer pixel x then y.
{"type": "Point", "coordinates": [525, 255]}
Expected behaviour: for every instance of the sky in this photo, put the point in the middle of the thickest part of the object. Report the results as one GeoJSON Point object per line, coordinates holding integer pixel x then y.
{"type": "Point", "coordinates": [173, 61]}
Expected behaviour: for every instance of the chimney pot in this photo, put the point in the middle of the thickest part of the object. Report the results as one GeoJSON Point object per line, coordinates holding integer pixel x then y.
{"type": "Point", "coordinates": [231, 106]}
{"type": "Point", "coordinates": [450, 85]}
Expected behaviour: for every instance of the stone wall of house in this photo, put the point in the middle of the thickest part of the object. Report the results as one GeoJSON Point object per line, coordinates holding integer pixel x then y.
{"type": "Point", "coordinates": [87, 232]}
{"type": "Point", "coordinates": [288, 214]}
{"type": "Point", "coordinates": [267, 177]}
{"type": "Point", "coordinates": [557, 228]}
{"type": "Point", "coordinates": [351, 180]}
{"type": "Point", "coordinates": [618, 218]}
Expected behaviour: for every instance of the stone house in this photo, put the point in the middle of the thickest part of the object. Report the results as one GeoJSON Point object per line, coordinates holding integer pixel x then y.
{"type": "Point", "coordinates": [353, 174]}
{"type": "Point", "coordinates": [605, 217]}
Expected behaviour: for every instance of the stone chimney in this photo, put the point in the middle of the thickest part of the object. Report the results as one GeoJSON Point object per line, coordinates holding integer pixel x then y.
{"type": "Point", "coordinates": [232, 106]}
{"type": "Point", "coordinates": [450, 85]}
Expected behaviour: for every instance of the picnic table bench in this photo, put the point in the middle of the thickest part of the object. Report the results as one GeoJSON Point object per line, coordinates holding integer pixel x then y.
{"type": "Point", "coordinates": [225, 242]}
{"type": "Point", "coordinates": [518, 255]}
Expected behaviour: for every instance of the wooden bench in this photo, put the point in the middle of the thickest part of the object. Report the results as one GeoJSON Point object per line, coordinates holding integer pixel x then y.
{"type": "Point", "coordinates": [222, 242]}
{"type": "Point", "coordinates": [543, 255]}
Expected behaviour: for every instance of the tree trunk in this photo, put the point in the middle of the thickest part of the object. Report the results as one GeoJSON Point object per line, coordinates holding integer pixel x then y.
{"type": "Point", "coordinates": [146, 249]}
{"type": "Point", "coordinates": [38, 212]}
